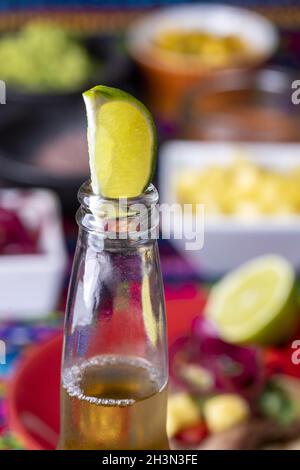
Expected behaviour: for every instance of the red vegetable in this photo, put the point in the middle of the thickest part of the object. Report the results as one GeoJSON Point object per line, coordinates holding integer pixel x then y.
{"type": "Point", "coordinates": [15, 238]}
{"type": "Point", "coordinates": [232, 368]}
{"type": "Point", "coordinates": [193, 435]}
{"type": "Point", "coordinates": [280, 361]}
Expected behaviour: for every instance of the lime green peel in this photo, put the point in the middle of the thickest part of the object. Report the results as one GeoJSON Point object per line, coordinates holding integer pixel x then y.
{"type": "Point", "coordinates": [121, 142]}
{"type": "Point", "coordinates": [256, 303]}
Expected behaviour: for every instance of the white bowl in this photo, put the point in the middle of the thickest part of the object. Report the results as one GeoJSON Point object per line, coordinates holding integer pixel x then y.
{"type": "Point", "coordinates": [253, 28]}
{"type": "Point", "coordinates": [30, 285]}
{"type": "Point", "coordinates": [229, 241]}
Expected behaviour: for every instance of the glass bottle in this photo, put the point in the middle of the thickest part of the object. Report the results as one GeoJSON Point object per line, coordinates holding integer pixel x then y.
{"type": "Point", "coordinates": [115, 365]}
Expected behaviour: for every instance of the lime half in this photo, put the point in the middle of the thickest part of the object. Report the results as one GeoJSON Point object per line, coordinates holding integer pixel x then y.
{"type": "Point", "coordinates": [256, 303]}
{"type": "Point", "coordinates": [121, 141]}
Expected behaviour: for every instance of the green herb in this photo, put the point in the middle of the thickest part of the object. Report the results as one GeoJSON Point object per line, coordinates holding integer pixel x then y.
{"type": "Point", "coordinates": [275, 403]}
{"type": "Point", "coordinates": [44, 57]}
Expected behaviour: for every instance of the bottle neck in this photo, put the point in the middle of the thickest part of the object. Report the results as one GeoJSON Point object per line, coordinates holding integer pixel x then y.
{"type": "Point", "coordinates": [125, 221]}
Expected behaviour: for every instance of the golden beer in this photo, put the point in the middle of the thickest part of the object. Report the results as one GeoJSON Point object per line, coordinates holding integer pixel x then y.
{"type": "Point", "coordinates": [113, 402]}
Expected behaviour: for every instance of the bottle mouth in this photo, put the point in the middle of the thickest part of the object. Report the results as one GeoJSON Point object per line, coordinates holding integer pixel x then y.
{"type": "Point", "coordinates": [135, 217]}
{"type": "Point", "coordinates": [86, 196]}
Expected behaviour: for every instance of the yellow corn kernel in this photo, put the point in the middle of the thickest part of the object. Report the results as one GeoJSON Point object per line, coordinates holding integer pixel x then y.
{"type": "Point", "coordinates": [224, 411]}
{"type": "Point", "coordinates": [182, 412]}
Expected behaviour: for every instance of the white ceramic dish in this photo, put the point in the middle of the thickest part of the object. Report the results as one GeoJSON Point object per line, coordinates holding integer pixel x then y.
{"type": "Point", "coordinates": [253, 28]}
{"type": "Point", "coordinates": [30, 284]}
{"type": "Point", "coordinates": [230, 241]}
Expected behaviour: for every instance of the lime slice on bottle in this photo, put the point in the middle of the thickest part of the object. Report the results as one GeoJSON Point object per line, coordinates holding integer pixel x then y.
{"type": "Point", "coordinates": [256, 303]}
{"type": "Point", "coordinates": [121, 141]}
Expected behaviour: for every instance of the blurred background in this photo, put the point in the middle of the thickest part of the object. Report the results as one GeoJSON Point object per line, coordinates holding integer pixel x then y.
{"type": "Point", "coordinates": [218, 80]}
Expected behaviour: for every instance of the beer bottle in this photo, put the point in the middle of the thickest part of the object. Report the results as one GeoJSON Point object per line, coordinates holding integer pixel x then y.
{"type": "Point", "coordinates": [114, 367]}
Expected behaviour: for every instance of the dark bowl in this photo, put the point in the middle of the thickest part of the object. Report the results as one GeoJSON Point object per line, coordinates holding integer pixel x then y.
{"type": "Point", "coordinates": [35, 144]}
{"type": "Point", "coordinates": [35, 126]}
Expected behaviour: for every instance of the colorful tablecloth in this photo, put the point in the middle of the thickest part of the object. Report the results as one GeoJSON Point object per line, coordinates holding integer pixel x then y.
{"type": "Point", "coordinates": [19, 337]}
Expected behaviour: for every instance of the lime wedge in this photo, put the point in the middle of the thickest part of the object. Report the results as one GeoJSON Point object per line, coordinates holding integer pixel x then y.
{"type": "Point", "coordinates": [121, 141]}
{"type": "Point", "coordinates": [256, 303]}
